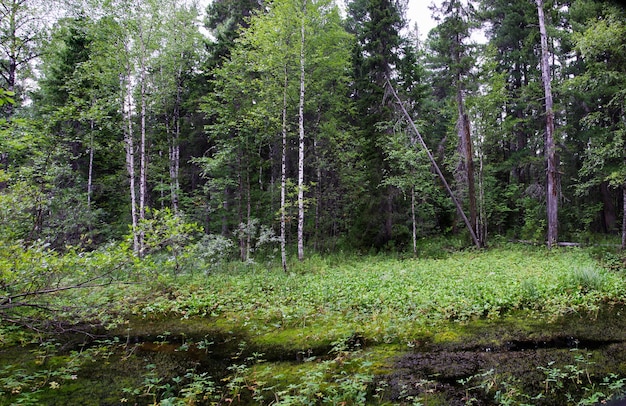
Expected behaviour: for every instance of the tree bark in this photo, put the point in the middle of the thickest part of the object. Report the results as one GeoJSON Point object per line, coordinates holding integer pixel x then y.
{"type": "Point", "coordinates": [248, 214]}
{"type": "Point", "coordinates": [90, 170]}
{"type": "Point", "coordinates": [414, 222]}
{"type": "Point", "coordinates": [143, 159]}
{"type": "Point", "coordinates": [550, 147]}
{"type": "Point", "coordinates": [175, 148]}
{"type": "Point", "coordinates": [624, 217]}
{"type": "Point", "coordinates": [301, 143]}
{"type": "Point", "coordinates": [283, 180]}
{"type": "Point", "coordinates": [464, 134]}
{"type": "Point", "coordinates": [468, 158]}
{"type": "Point", "coordinates": [609, 217]}
{"type": "Point", "coordinates": [241, 224]}
{"type": "Point", "coordinates": [130, 158]}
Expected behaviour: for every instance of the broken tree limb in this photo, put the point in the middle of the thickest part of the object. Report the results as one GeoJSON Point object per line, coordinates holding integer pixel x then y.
{"type": "Point", "coordinates": [459, 208]}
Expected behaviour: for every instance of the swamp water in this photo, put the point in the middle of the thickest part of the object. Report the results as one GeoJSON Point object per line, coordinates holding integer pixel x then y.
{"type": "Point", "coordinates": [510, 361]}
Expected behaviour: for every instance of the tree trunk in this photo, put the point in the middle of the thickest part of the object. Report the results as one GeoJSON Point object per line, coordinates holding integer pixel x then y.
{"type": "Point", "coordinates": [465, 139]}
{"type": "Point", "coordinates": [130, 159]}
{"type": "Point", "coordinates": [413, 220]}
{"type": "Point", "coordinates": [468, 158]}
{"type": "Point", "coordinates": [481, 231]}
{"type": "Point", "coordinates": [175, 148]}
{"type": "Point", "coordinates": [248, 215]}
{"type": "Point", "coordinates": [624, 217]}
{"type": "Point", "coordinates": [4, 165]}
{"type": "Point", "coordinates": [550, 147]}
{"type": "Point", "coordinates": [11, 74]}
{"type": "Point", "coordinates": [90, 170]}
{"type": "Point", "coordinates": [143, 160]}
{"type": "Point", "coordinates": [609, 216]}
{"type": "Point", "coordinates": [226, 207]}
{"type": "Point", "coordinates": [241, 224]}
{"type": "Point", "coordinates": [283, 179]}
{"type": "Point", "coordinates": [301, 144]}
{"type": "Point", "coordinates": [318, 196]}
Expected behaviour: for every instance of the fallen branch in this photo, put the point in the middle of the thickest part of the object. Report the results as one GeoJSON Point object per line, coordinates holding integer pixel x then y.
{"type": "Point", "coordinates": [8, 300]}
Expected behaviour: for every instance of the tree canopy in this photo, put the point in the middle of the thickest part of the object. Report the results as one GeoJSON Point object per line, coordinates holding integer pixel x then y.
{"type": "Point", "coordinates": [275, 118]}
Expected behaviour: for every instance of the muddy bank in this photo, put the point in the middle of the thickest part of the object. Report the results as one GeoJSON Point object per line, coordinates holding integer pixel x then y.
{"type": "Point", "coordinates": [518, 361]}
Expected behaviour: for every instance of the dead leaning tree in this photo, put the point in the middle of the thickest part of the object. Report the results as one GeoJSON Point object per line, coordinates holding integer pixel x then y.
{"type": "Point", "coordinates": [459, 208]}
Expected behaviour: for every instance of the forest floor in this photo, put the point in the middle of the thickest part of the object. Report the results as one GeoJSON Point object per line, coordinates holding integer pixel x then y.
{"type": "Point", "coordinates": [508, 325]}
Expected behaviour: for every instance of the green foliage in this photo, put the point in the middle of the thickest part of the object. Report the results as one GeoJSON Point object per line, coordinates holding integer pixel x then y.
{"type": "Point", "coordinates": [259, 237]}
{"type": "Point", "coordinates": [320, 382]}
{"type": "Point", "coordinates": [390, 299]}
{"type": "Point", "coordinates": [169, 233]}
{"type": "Point", "coordinates": [211, 252]}
{"type": "Point", "coordinates": [39, 287]}
{"type": "Point", "coordinates": [588, 279]}
{"type": "Point", "coordinates": [534, 219]}
{"type": "Point", "coordinates": [6, 97]}
{"type": "Point", "coordinates": [360, 173]}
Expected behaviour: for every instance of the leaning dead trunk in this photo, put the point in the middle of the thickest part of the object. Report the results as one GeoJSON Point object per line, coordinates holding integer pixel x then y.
{"type": "Point", "coordinates": [459, 208]}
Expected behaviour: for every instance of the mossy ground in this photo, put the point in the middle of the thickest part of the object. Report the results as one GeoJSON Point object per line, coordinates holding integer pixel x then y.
{"type": "Point", "coordinates": [139, 364]}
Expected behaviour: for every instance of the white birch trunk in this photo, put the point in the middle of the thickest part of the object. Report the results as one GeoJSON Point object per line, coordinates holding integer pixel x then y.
{"type": "Point", "coordinates": [129, 146]}
{"type": "Point", "coordinates": [175, 148]}
{"type": "Point", "coordinates": [90, 171]}
{"type": "Point", "coordinates": [143, 160]}
{"type": "Point", "coordinates": [301, 145]}
{"type": "Point", "coordinates": [283, 180]}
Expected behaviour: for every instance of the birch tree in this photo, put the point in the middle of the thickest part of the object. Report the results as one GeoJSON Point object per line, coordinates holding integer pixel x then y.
{"type": "Point", "coordinates": [290, 47]}
{"type": "Point", "coordinates": [301, 134]}
{"type": "Point", "coordinates": [181, 50]}
{"type": "Point", "coordinates": [138, 41]}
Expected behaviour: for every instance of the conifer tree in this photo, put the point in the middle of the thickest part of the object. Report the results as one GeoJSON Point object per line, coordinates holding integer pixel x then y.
{"type": "Point", "coordinates": [451, 48]}
{"type": "Point", "coordinates": [376, 25]}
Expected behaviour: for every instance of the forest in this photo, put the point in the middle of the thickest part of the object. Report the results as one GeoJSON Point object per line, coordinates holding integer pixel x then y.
{"type": "Point", "coordinates": [253, 120]}
{"type": "Point", "coordinates": [294, 193]}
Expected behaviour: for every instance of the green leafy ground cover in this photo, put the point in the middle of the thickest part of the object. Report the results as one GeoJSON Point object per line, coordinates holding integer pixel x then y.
{"type": "Point", "coordinates": [324, 333]}
{"type": "Point", "coordinates": [390, 300]}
